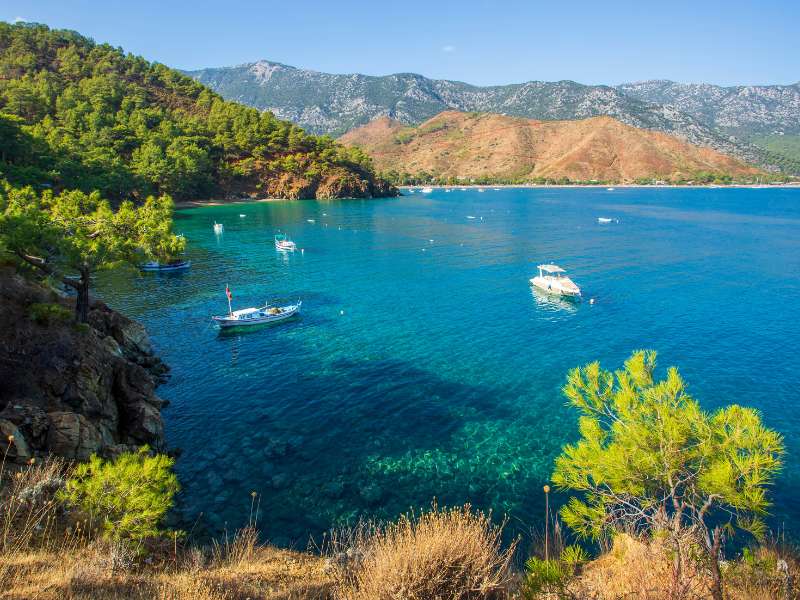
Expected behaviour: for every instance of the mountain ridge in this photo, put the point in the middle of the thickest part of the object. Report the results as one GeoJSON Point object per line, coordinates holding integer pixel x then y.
{"type": "Point", "coordinates": [336, 103]}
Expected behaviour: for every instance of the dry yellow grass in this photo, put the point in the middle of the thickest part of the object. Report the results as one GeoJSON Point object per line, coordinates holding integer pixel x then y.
{"type": "Point", "coordinates": [453, 554]}
{"type": "Point", "coordinates": [442, 554]}
{"type": "Point", "coordinates": [633, 569]}
{"type": "Point", "coordinates": [269, 573]}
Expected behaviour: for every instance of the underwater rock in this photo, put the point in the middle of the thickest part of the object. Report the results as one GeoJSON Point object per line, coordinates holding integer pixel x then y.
{"type": "Point", "coordinates": [333, 489]}
{"type": "Point", "coordinates": [371, 493]}
{"type": "Point", "coordinates": [280, 481]}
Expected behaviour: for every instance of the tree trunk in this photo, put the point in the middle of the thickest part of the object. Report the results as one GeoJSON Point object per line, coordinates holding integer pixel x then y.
{"type": "Point", "coordinates": [82, 302]}
{"type": "Point", "coordinates": [716, 575]}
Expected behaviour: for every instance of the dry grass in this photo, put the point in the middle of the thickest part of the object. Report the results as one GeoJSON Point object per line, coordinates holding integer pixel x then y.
{"type": "Point", "coordinates": [450, 554]}
{"type": "Point", "coordinates": [88, 574]}
{"type": "Point", "coordinates": [634, 569]}
{"type": "Point", "coordinates": [453, 554]}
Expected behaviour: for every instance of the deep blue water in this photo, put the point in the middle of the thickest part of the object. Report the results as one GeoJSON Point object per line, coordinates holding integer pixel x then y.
{"type": "Point", "coordinates": [423, 366]}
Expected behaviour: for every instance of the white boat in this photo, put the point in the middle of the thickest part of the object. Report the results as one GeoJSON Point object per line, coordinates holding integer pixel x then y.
{"type": "Point", "coordinates": [470, 217]}
{"type": "Point", "coordinates": [257, 316]}
{"type": "Point", "coordinates": [481, 190]}
{"type": "Point", "coordinates": [176, 265]}
{"type": "Point", "coordinates": [610, 189]}
{"type": "Point", "coordinates": [427, 190]}
{"type": "Point", "coordinates": [551, 279]}
{"type": "Point", "coordinates": [311, 220]}
{"type": "Point", "coordinates": [218, 227]}
{"type": "Point", "coordinates": [241, 216]}
{"type": "Point", "coordinates": [283, 243]}
{"type": "Point", "coordinates": [604, 220]}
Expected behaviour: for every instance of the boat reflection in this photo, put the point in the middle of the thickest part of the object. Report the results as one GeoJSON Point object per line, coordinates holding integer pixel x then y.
{"type": "Point", "coordinates": [553, 302]}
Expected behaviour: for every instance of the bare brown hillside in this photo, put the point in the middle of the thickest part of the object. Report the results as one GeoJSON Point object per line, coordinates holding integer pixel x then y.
{"type": "Point", "coordinates": [475, 145]}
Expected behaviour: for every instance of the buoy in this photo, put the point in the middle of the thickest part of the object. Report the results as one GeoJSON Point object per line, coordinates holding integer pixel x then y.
{"type": "Point", "coordinates": [341, 312]}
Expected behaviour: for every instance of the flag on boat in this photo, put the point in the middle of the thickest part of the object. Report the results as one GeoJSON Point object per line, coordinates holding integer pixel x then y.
{"type": "Point", "coordinates": [228, 293]}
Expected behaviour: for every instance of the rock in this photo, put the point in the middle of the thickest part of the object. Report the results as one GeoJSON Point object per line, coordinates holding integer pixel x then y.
{"type": "Point", "coordinates": [12, 442]}
{"type": "Point", "coordinates": [276, 449]}
{"type": "Point", "coordinates": [280, 481]}
{"type": "Point", "coordinates": [214, 481]}
{"type": "Point", "coordinates": [295, 442]}
{"type": "Point", "coordinates": [72, 391]}
{"type": "Point", "coordinates": [30, 420]}
{"type": "Point", "coordinates": [371, 493]}
{"type": "Point", "coordinates": [333, 489]}
{"type": "Point", "coordinates": [72, 435]}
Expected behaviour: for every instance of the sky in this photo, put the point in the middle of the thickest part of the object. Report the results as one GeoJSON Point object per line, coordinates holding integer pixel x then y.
{"type": "Point", "coordinates": [480, 42]}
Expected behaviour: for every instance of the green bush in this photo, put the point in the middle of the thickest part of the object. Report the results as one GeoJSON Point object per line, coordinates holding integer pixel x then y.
{"type": "Point", "coordinates": [125, 499]}
{"type": "Point", "coordinates": [49, 314]}
{"type": "Point", "coordinates": [551, 578]}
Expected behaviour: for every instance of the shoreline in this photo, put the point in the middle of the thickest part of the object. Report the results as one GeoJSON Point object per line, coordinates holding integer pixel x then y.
{"type": "Point", "coordinates": [603, 186]}
{"type": "Point", "coordinates": [181, 204]}
{"type": "Point", "coordinates": [213, 202]}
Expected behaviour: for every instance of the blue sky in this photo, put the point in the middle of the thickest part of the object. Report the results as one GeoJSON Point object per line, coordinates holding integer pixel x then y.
{"type": "Point", "coordinates": [480, 42]}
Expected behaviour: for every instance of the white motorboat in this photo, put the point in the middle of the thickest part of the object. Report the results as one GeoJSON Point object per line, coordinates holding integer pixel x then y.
{"type": "Point", "coordinates": [257, 316]}
{"type": "Point", "coordinates": [552, 279]}
{"type": "Point", "coordinates": [283, 243]}
{"type": "Point", "coordinates": [426, 190]}
{"type": "Point", "coordinates": [610, 189]}
{"type": "Point", "coordinates": [218, 227]}
{"type": "Point", "coordinates": [175, 265]}
{"type": "Point", "coordinates": [604, 220]}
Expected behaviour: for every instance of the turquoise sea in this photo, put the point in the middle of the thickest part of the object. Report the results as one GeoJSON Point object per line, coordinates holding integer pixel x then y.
{"type": "Point", "coordinates": [424, 367]}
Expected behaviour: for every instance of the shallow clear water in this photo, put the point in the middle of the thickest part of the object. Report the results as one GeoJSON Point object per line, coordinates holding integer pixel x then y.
{"type": "Point", "coordinates": [423, 366]}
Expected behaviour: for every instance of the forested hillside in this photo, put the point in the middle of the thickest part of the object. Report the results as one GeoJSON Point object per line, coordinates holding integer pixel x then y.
{"type": "Point", "coordinates": [75, 114]}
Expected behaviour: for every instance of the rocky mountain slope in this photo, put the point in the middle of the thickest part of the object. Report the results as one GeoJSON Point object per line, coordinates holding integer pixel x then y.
{"type": "Point", "coordinates": [745, 110]}
{"type": "Point", "coordinates": [475, 145]}
{"type": "Point", "coordinates": [334, 104]}
{"type": "Point", "coordinates": [72, 390]}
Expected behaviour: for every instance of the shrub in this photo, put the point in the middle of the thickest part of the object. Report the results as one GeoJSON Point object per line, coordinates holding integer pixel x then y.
{"type": "Point", "coordinates": [49, 314]}
{"type": "Point", "coordinates": [127, 498]}
{"type": "Point", "coordinates": [451, 553]}
{"type": "Point", "coordinates": [551, 578]}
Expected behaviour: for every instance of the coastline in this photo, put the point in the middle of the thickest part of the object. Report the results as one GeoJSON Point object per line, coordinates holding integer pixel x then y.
{"type": "Point", "coordinates": [180, 204]}
{"type": "Point", "coordinates": [603, 186]}
{"type": "Point", "coordinates": [213, 202]}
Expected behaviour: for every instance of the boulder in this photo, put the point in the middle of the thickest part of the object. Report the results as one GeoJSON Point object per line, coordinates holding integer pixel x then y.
{"type": "Point", "coordinates": [73, 436]}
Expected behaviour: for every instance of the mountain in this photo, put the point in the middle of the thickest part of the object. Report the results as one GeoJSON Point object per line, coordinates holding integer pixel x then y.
{"type": "Point", "coordinates": [744, 111]}
{"type": "Point", "coordinates": [334, 104]}
{"type": "Point", "coordinates": [480, 145]}
{"type": "Point", "coordinates": [75, 114]}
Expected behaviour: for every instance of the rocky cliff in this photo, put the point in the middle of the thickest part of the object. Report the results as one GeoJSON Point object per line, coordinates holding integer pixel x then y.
{"type": "Point", "coordinates": [73, 390]}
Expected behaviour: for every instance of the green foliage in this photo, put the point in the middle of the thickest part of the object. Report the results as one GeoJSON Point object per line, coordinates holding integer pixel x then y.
{"type": "Point", "coordinates": [126, 499]}
{"type": "Point", "coordinates": [77, 233]}
{"type": "Point", "coordinates": [48, 314]}
{"type": "Point", "coordinates": [650, 458]}
{"type": "Point", "coordinates": [79, 115]}
{"type": "Point", "coordinates": [551, 578]}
